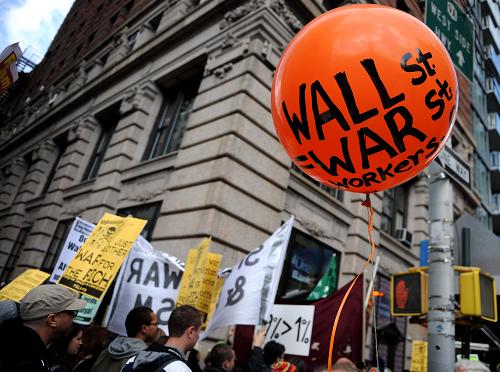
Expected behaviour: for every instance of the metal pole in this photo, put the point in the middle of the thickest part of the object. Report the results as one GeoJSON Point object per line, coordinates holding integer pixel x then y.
{"type": "Point", "coordinates": [465, 261]}
{"type": "Point", "coordinates": [441, 347]}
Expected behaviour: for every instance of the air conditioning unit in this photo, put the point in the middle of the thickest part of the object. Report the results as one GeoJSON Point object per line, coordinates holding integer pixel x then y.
{"type": "Point", "coordinates": [404, 236]}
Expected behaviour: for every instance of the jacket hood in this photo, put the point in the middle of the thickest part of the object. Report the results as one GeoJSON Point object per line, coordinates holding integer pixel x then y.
{"type": "Point", "coordinates": [145, 358]}
{"type": "Point", "coordinates": [125, 347]}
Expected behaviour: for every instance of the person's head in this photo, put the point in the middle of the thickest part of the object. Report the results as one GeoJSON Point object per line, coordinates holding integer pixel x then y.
{"type": "Point", "coordinates": [222, 356]}
{"type": "Point", "coordinates": [142, 323]}
{"type": "Point", "coordinates": [344, 365]}
{"type": "Point", "coordinates": [299, 363]}
{"type": "Point", "coordinates": [184, 327]}
{"type": "Point", "coordinates": [273, 352]}
{"type": "Point", "coordinates": [94, 341]}
{"type": "Point", "coordinates": [75, 340]}
{"type": "Point", "coordinates": [67, 348]}
{"type": "Point", "coordinates": [49, 310]}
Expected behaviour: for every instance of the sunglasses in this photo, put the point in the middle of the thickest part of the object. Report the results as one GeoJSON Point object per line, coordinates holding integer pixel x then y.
{"type": "Point", "coordinates": [72, 313]}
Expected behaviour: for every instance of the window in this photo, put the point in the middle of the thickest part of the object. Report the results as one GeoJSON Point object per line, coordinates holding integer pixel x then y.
{"type": "Point", "coordinates": [395, 209]}
{"type": "Point", "coordinates": [108, 120]}
{"type": "Point", "coordinates": [171, 124]}
{"type": "Point", "coordinates": [14, 254]}
{"type": "Point", "coordinates": [306, 262]}
{"type": "Point", "coordinates": [131, 39]}
{"type": "Point", "coordinates": [56, 245]}
{"type": "Point", "coordinates": [149, 212]}
{"type": "Point", "coordinates": [336, 193]}
{"type": "Point", "coordinates": [61, 147]}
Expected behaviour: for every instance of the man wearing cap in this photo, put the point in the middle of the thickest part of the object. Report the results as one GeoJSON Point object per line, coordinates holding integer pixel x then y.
{"type": "Point", "coordinates": [47, 313]}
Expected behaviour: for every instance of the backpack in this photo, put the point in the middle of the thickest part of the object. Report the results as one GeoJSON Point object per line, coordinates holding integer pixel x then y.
{"type": "Point", "coordinates": [156, 366]}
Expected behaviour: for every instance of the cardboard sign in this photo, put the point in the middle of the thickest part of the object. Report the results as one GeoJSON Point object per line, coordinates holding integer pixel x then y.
{"type": "Point", "coordinates": [78, 234]}
{"type": "Point", "coordinates": [200, 278]}
{"type": "Point", "coordinates": [149, 278]}
{"type": "Point", "coordinates": [96, 264]}
{"type": "Point", "coordinates": [291, 325]}
{"type": "Point", "coordinates": [21, 285]}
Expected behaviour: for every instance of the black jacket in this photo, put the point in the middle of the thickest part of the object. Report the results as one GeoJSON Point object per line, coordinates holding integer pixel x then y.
{"type": "Point", "coordinates": [21, 349]}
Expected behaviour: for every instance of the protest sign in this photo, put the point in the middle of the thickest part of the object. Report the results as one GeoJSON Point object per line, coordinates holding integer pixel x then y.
{"type": "Point", "coordinates": [78, 234]}
{"type": "Point", "coordinates": [148, 278]}
{"type": "Point", "coordinates": [199, 282]}
{"type": "Point", "coordinates": [21, 285]}
{"type": "Point", "coordinates": [248, 292]}
{"type": "Point", "coordinates": [291, 325]}
{"type": "Point", "coordinates": [8, 68]}
{"type": "Point", "coordinates": [96, 264]}
{"type": "Point", "coordinates": [85, 315]}
{"type": "Point", "coordinates": [419, 356]}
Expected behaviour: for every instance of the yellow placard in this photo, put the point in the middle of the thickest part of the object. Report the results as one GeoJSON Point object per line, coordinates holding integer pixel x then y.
{"type": "Point", "coordinates": [182, 298]}
{"type": "Point", "coordinates": [213, 303]}
{"type": "Point", "coordinates": [199, 280]}
{"type": "Point", "coordinates": [24, 283]}
{"type": "Point", "coordinates": [419, 356]}
{"type": "Point", "coordinates": [96, 264]}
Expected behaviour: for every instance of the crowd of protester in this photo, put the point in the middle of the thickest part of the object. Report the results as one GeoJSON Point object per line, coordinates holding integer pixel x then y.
{"type": "Point", "coordinates": [38, 335]}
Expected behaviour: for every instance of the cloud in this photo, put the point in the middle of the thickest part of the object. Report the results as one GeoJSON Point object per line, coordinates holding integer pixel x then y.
{"type": "Point", "coordinates": [32, 23]}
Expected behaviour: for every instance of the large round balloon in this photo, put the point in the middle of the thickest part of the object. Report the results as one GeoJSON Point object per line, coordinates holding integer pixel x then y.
{"type": "Point", "coordinates": [364, 98]}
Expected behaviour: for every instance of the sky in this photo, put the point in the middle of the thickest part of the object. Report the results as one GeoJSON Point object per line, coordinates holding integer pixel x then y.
{"type": "Point", "coordinates": [32, 23]}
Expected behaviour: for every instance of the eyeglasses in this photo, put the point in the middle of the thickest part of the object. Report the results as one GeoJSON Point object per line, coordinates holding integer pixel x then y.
{"type": "Point", "coordinates": [154, 324]}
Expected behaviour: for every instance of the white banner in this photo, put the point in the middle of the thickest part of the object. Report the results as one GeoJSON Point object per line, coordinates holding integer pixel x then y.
{"type": "Point", "coordinates": [291, 325]}
{"type": "Point", "coordinates": [79, 232]}
{"type": "Point", "coordinates": [249, 291]}
{"type": "Point", "coordinates": [147, 278]}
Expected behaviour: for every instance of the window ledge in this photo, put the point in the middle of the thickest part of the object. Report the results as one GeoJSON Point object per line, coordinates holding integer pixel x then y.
{"type": "Point", "coordinates": [82, 188]}
{"type": "Point", "coordinates": [146, 167]}
{"type": "Point", "coordinates": [35, 202]}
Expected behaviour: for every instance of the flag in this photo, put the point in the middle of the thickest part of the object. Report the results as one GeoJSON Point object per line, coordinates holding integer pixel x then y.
{"type": "Point", "coordinates": [149, 278]}
{"type": "Point", "coordinates": [8, 70]}
{"type": "Point", "coordinates": [327, 284]}
{"type": "Point", "coordinates": [248, 292]}
{"type": "Point", "coordinates": [349, 335]}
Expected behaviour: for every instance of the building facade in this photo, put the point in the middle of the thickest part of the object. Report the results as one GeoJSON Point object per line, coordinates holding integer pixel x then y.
{"type": "Point", "coordinates": [161, 110]}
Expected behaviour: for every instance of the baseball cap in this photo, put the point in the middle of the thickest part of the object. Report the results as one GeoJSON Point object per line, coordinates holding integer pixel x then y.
{"type": "Point", "coordinates": [48, 299]}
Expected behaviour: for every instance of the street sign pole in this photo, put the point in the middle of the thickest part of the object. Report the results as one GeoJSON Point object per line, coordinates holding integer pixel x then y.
{"type": "Point", "coordinates": [441, 328]}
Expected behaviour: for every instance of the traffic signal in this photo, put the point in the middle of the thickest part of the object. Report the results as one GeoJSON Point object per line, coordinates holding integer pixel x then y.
{"type": "Point", "coordinates": [478, 295]}
{"type": "Point", "coordinates": [409, 294]}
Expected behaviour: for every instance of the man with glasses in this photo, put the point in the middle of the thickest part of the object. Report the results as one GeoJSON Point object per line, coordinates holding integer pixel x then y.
{"type": "Point", "coordinates": [142, 328]}
{"type": "Point", "coordinates": [46, 315]}
{"type": "Point", "coordinates": [184, 330]}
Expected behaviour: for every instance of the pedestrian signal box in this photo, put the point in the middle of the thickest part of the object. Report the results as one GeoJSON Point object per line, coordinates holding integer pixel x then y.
{"type": "Point", "coordinates": [409, 294]}
{"type": "Point", "coordinates": [478, 295]}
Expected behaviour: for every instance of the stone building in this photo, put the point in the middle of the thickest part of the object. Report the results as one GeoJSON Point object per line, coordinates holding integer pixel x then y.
{"type": "Point", "coordinates": [161, 109]}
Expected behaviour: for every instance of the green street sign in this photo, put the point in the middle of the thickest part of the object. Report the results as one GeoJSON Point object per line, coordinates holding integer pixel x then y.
{"type": "Point", "coordinates": [456, 31]}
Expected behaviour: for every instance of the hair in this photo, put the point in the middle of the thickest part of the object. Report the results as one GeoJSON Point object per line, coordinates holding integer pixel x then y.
{"type": "Point", "coordinates": [94, 341]}
{"type": "Point", "coordinates": [299, 363]}
{"type": "Point", "coordinates": [59, 348]}
{"type": "Point", "coordinates": [182, 318]}
{"type": "Point", "coordinates": [136, 318]}
{"type": "Point", "coordinates": [272, 351]}
{"type": "Point", "coordinates": [219, 354]}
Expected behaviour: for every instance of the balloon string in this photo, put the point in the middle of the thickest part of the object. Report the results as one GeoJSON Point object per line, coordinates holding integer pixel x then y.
{"type": "Point", "coordinates": [367, 203]}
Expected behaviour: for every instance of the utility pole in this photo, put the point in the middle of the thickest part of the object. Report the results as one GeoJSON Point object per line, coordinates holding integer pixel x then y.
{"type": "Point", "coordinates": [441, 327]}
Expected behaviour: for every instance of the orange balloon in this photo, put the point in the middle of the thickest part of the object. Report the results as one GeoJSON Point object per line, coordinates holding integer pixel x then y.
{"type": "Point", "coordinates": [364, 98]}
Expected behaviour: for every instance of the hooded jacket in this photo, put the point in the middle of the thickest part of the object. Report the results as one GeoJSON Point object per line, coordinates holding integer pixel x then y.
{"type": "Point", "coordinates": [118, 352]}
